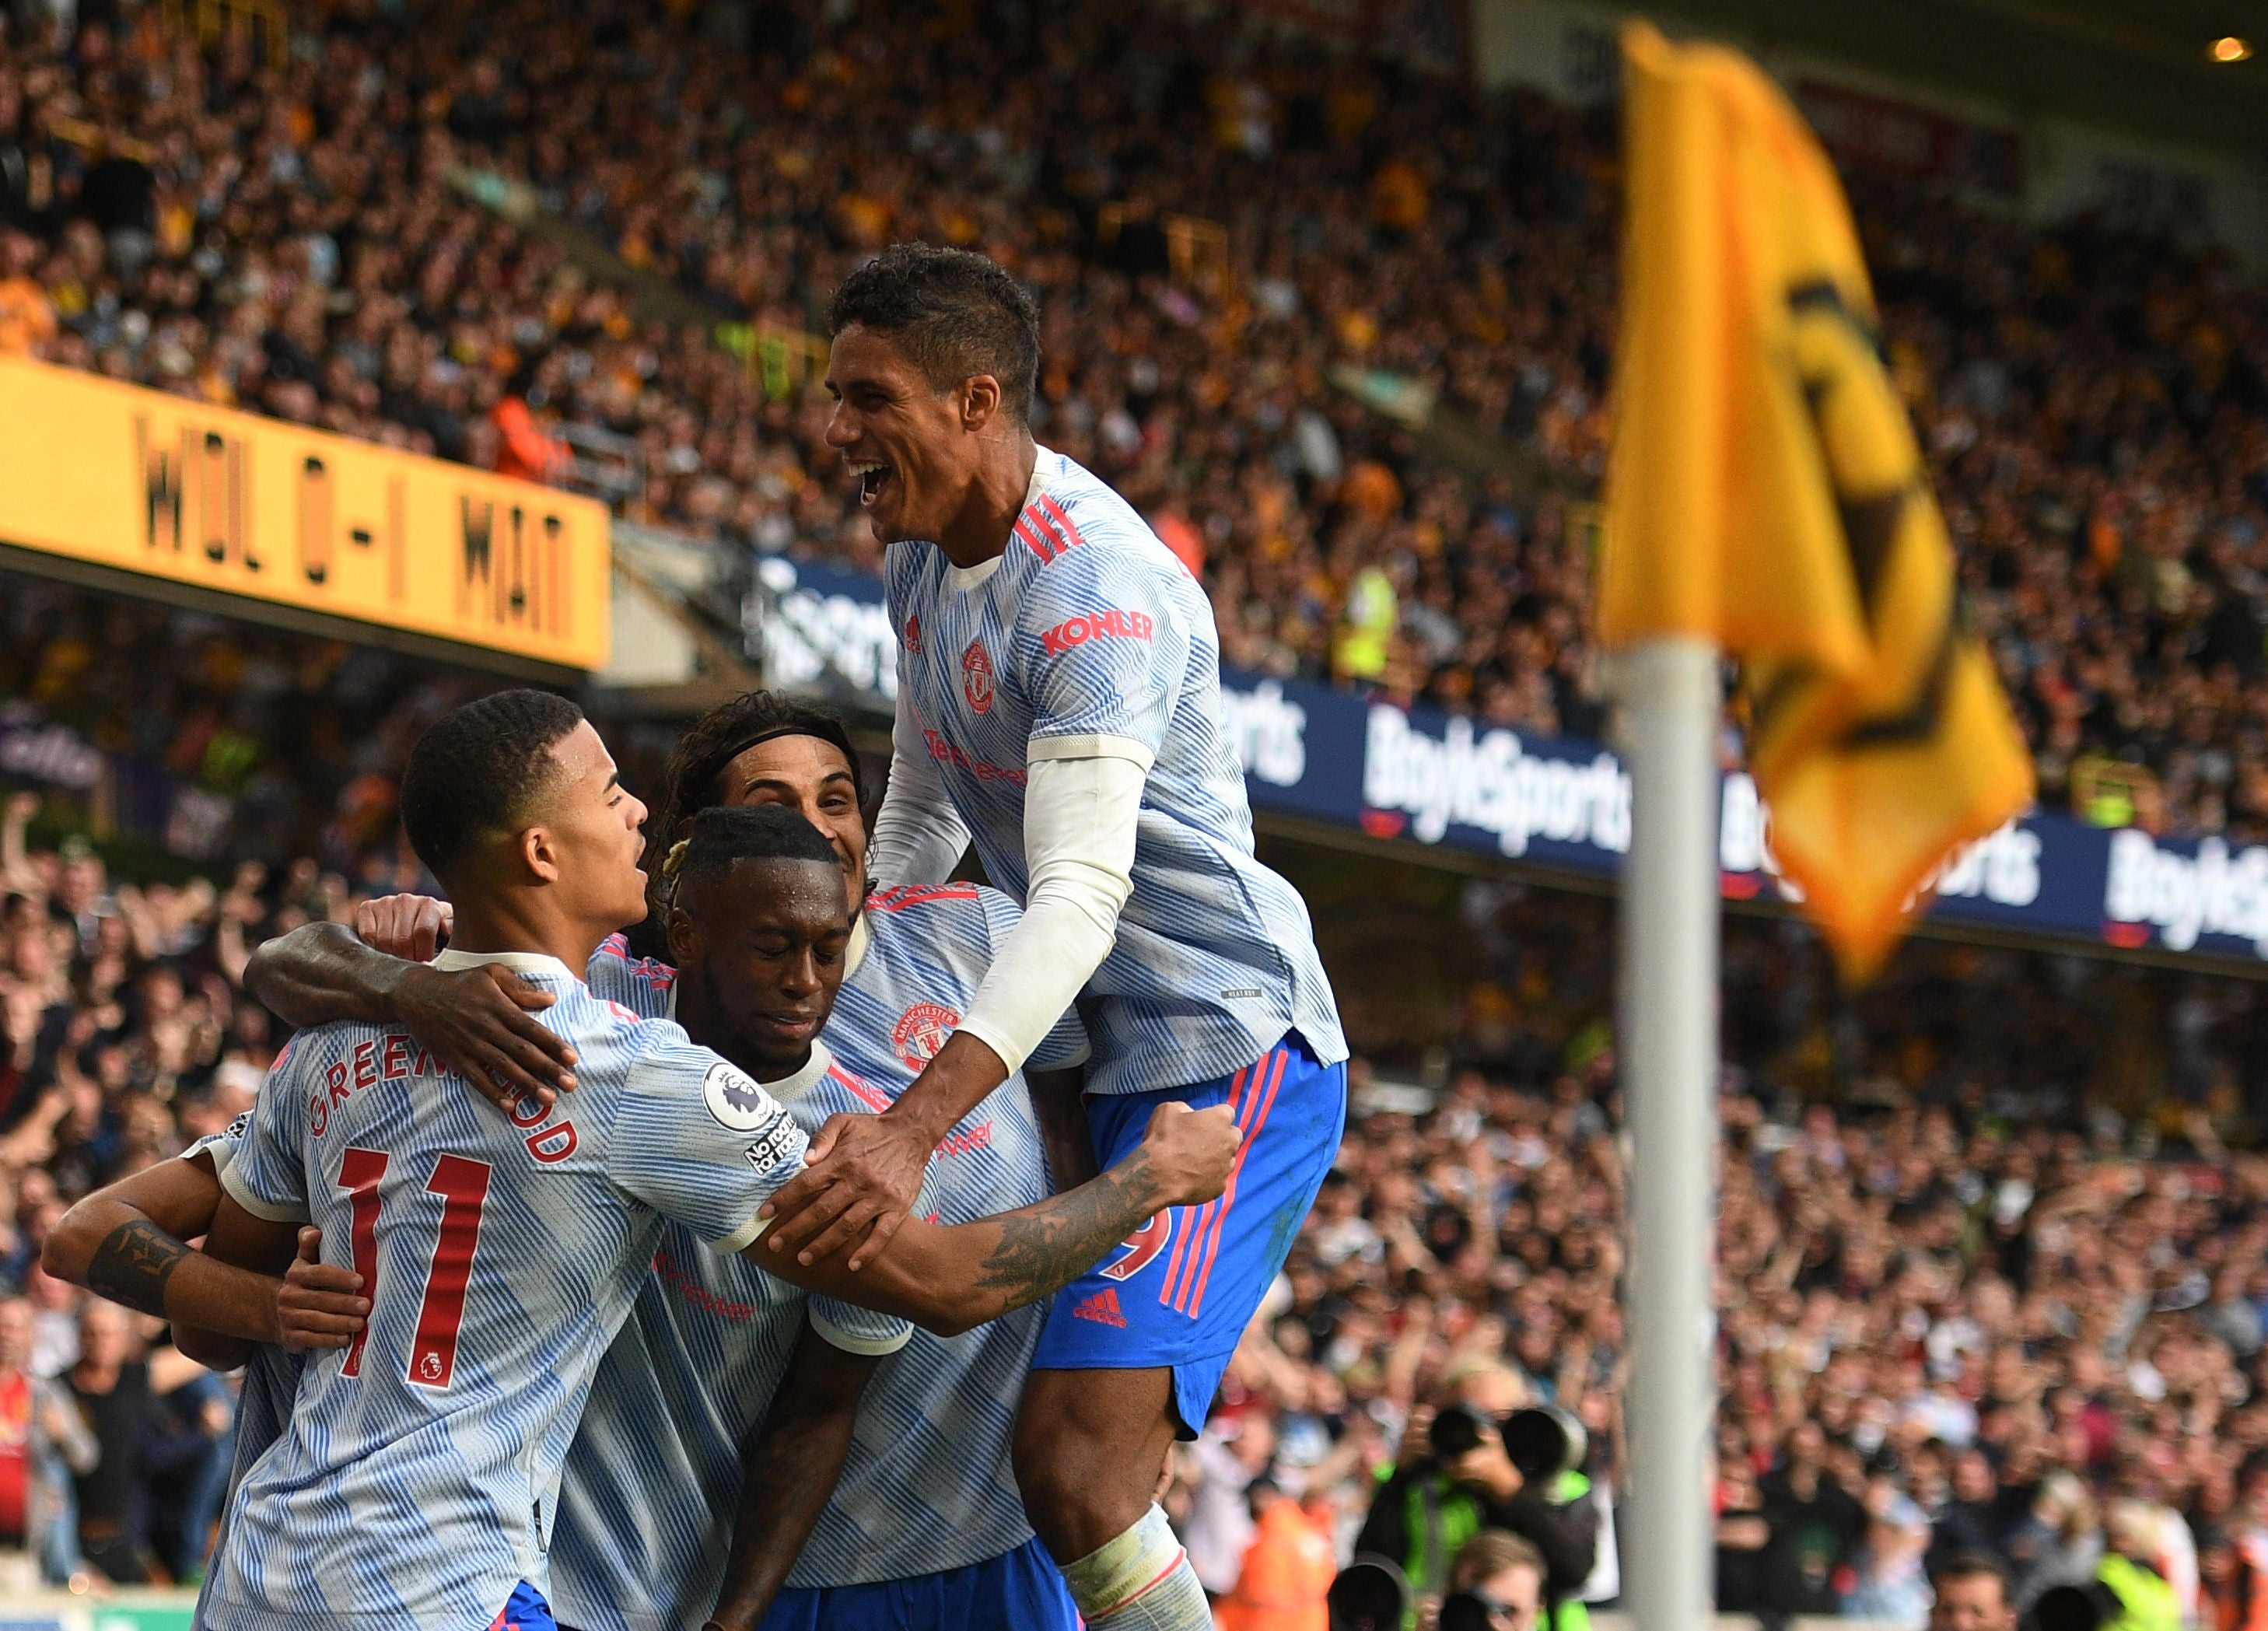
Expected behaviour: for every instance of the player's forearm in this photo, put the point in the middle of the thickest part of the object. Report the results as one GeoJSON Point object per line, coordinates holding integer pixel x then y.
{"type": "Point", "coordinates": [962, 1075]}
{"type": "Point", "coordinates": [118, 1253]}
{"type": "Point", "coordinates": [948, 1280]}
{"type": "Point", "coordinates": [788, 1474]}
{"type": "Point", "coordinates": [321, 973]}
{"type": "Point", "coordinates": [1080, 816]}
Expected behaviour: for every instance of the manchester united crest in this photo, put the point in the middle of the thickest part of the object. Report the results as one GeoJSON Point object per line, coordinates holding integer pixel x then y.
{"type": "Point", "coordinates": [977, 677]}
{"type": "Point", "coordinates": [921, 1032]}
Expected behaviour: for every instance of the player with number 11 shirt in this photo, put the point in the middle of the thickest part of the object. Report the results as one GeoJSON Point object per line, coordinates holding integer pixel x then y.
{"type": "Point", "coordinates": [416, 1482]}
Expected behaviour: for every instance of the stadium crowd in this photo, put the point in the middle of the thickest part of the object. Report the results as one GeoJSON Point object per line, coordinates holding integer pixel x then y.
{"type": "Point", "coordinates": [1971, 1309]}
{"type": "Point", "coordinates": [286, 236]}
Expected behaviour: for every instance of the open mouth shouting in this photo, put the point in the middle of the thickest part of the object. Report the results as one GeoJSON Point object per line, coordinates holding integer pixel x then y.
{"type": "Point", "coordinates": [873, 477]}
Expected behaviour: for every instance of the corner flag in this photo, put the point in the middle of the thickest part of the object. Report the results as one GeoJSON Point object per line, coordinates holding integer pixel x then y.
{"type": "Point", "coordinates": [1765, 490]}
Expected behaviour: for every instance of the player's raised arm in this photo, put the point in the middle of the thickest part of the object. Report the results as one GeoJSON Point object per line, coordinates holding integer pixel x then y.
{"type": "Point", "coordinates": [948, 1280]}
{"type": "Point", "coordinates": [478, 1022]}
{"type": "Point", "coordinates": [917, 837]}
{"type": "Point", "coordinates": [788, 1473]}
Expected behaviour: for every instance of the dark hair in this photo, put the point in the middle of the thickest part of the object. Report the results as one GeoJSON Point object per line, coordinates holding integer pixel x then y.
{"type": "Point", "coordinates": [726, 833]}
{"type": "Point", "coordinates": [954, 314]}
{"type": "Point", "coordinates": [1971, 1566]}
{"type": "Point", "coordinates": [476, 773]}
{"type": "Point", "coordinates": [689, 782]}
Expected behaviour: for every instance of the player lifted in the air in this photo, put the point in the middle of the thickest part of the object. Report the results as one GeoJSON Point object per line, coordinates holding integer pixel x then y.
{"type": "Point", "coordinates": [415, 1482]}
{"type": "Point", "coordinates": [1059, 703]}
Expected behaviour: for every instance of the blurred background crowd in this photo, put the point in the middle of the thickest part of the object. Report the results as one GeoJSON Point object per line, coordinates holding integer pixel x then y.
{"type": "Point", "coordinates": [1991, 1280]}
{"type": "Point", "coordinates": [1967, 1304]}
{"type": "Point", "coordinates": [1218, 223]}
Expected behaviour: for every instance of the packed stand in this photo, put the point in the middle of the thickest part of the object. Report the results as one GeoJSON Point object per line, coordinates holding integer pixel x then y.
{"type": "Point", "coordinates": [1972, 1309]}
{"type": "Point", "coordinates": [287, 238]}
{"type": "Point", "coordinates": [124, 1034]}
{"type": "Point", "coordinates": [1969, 1309]}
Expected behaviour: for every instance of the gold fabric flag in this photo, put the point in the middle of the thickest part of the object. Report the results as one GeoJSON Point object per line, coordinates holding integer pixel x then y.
{"type": "Point", "coordinates": [1765, 492]}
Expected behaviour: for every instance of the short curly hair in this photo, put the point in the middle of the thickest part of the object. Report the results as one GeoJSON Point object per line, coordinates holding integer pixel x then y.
{"type": "Point", "coordinates": [479, 772]}
{"type": "Point", "coordinates": [954, 313]}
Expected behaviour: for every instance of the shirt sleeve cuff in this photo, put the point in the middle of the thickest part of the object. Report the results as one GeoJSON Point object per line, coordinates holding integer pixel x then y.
{"type": "Point", "coordinates": [856, 1342]}
{"type": "Point", "coordinates": [232, 1180]}
{"type": "Point", "coordinates": [741, 1238]}
{"type": "Point", "coordinates": [1091, 745]}
{"type": "Point", "coordinates": [1011, 1055]}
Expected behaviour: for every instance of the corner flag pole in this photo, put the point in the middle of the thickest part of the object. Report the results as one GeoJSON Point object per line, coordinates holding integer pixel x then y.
{"type": "Point", "coordinates": [1667, 1038]}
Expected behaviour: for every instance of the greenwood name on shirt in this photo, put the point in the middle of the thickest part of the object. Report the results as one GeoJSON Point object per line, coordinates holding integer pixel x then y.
{"type": "Point", "coordinates": [416, 1481]}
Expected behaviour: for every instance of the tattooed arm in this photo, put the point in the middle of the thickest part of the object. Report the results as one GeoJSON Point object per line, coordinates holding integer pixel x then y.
{"type": "Point", "coordinates": [125, 1242]}
{"type": "Point", "coordinates": [788, 1472]}
{"type": "Point", "coordinates": [950, 1280]}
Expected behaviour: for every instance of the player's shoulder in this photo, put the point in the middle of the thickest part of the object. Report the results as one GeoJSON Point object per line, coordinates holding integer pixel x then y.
{"type": "Point", "coordinates": [1078, 526]}
{"type": "Point", "coordinates": [929, 926]}
{"type": "Point", "coordinates": [616, 975]}
{"type": "Point", "coordinates": [909, 902]}
{"type": "Point", "coordinates": [904, 561]}
{"type": "Point", "coordinates": [317, 1047]}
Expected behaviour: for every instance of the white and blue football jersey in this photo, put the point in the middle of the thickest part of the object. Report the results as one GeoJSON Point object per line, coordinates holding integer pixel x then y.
{"type": "Point", "coordinates": [271, 1376]}
{"type": "Point", "coordinates": [647, 1497]}
{"type": "Point", "coordinates": [1088, 627]}
{"type": "Point", "coordinates": [928, 1485]}
{"type": "Point", "coordinates": [415, 1482]}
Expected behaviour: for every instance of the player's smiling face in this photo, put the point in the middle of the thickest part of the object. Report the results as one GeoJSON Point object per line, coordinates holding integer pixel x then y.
{"type": "Point", "coordinates": [904, 442]}
{"type": "Point", "coordinates": [810, 776]}
{"type": "Point", "coordinates": [759, 955]}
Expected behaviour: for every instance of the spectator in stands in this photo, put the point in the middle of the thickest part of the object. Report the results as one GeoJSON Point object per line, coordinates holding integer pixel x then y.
{"type": "Point", "coordinates": [1496, 1585]}
{"type": "Point", "coordinates": [43, 1445]}
{"type": "Point", "coordinates": [1972, 1595]}
{"type": "Point", "coordinates": [2062, 1544]}
{"type": "Point", "coordinates": [1887, 1578]}
{"type": "Point", "coordinates": [27, 316]}
{"type": "Point", "coordinates": [1284, 1580]}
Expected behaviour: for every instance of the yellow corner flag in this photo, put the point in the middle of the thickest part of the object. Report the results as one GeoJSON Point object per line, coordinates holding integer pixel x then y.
{"type": "Point", "coordinates": [1765, 492]}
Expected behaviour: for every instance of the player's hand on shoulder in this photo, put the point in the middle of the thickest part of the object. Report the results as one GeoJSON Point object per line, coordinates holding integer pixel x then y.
{"type": "Point", "coordinates": [414, 927]}
{"type": "Point", "coordinates": [864, 1173]}
{"type": "Point", "coordinates": [318, 1305]}
{"type": "Point", "coordinates": [481, 1023]}
{"type": "Point", "coordinates": [1191, 1151]}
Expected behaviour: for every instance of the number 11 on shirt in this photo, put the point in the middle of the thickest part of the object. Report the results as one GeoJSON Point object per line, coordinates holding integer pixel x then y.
{"type": "Point", "coordinates": [463, 1186]}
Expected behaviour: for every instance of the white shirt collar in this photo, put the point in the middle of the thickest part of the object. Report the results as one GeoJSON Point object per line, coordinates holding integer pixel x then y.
{"type": "Point", "coordinates": [518, 961]}
{"type": "Point", "coordinates": [856, 953]}
{"type": "Point", "coordinates": [813, 1072]}
{"type": "Point", "coordinates": [814, 1068]}
{"type": "Point", "coordinates": [967, 578]}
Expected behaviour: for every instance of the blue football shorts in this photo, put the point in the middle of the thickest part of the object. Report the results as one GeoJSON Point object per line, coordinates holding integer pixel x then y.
{"type": "Point", "coordinates": [1179, 1293]}
{"type": "Point", "coordinates": [525, 1610]}
{"type": "Point", "coordinates": [1019, 1590]}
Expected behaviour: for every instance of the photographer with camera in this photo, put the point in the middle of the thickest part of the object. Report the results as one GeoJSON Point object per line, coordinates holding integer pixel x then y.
{"type": "Point", "coordinates": [1464, 1471]}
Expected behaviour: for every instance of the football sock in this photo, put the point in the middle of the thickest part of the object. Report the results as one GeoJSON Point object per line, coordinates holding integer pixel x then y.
{"type": "Point", "coordinates": [1142, 1581]}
